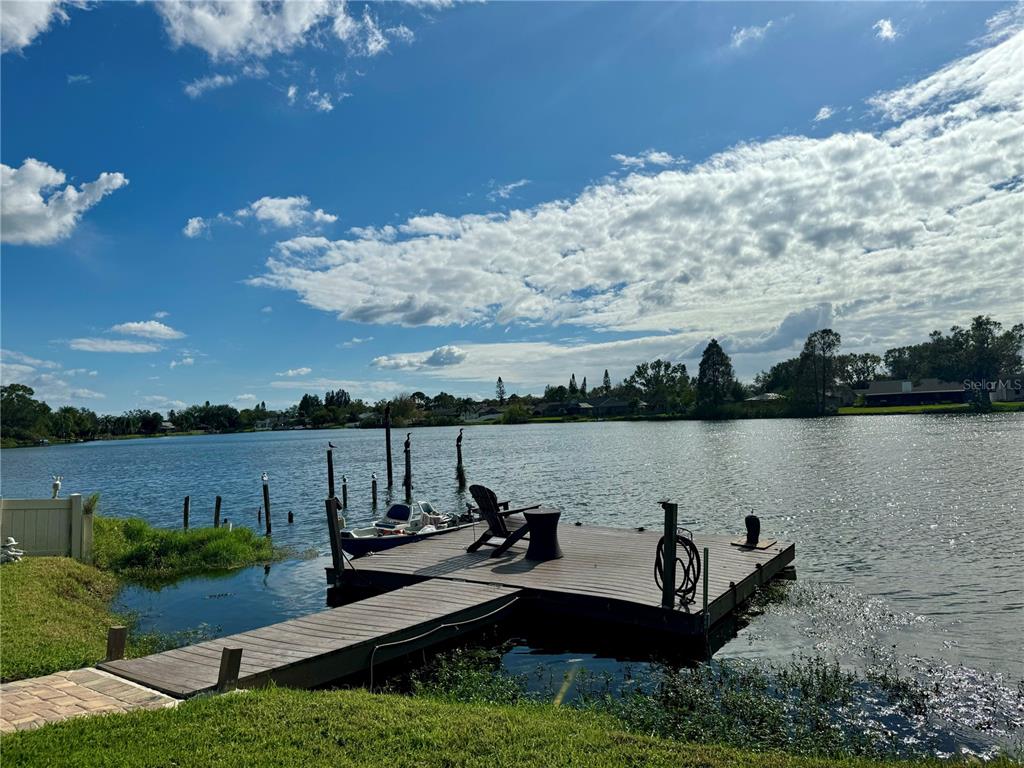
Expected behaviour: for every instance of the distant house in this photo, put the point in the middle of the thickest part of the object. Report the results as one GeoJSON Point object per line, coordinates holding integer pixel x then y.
{"type": "Point", "coordinates": [1007, 389]}
{"type": "Point", "coordinates": [579, 408]}
{"type": "Point", "coordinates": [166, 426]}
{"type": "Point", "coordinates": [925, 392]}
{"type": "Point", "coordinates": [550, 409]}
{"type": "Point", "coordinates": [617, 406]}
{"type": "Point", "coordinates": [489, 413]}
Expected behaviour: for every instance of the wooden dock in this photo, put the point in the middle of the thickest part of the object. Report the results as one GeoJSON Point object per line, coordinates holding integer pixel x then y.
{"type": "Point", "coordinates": [606, 574]}
{"type": "Point", "coordinates": [328, 645]}
{"type": "Point", "coordinates": [430, 591]}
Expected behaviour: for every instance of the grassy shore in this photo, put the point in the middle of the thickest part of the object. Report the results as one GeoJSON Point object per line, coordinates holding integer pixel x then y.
{"type": "Point", "coordinates": [354, 728]}
{"type": "Point", "coordinates": [55, 611]}
{"type": "Point", "coordinates": [896, 410]}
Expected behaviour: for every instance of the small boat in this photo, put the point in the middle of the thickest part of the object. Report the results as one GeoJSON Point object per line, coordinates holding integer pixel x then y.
{"type": "Point", "coordinates": [402, 524]}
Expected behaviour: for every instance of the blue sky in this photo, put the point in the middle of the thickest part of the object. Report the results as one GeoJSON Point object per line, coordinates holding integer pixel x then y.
{"type": "Point", "coordinates": [243, 202]}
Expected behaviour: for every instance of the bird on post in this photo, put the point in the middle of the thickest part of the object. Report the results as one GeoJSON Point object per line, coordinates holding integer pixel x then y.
{"type": "Point", "coordinates": [458, 440]}
{"type": "Point", "coordinates": [330, 444]}
{"type": "Point", "coordinates": [408, 437]}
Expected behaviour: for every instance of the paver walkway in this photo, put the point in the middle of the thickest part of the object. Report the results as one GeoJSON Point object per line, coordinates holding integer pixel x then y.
{"type": "Point", "coordinates": [40, 700]}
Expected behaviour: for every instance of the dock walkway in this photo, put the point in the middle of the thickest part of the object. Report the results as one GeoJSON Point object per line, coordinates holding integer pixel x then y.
{"type": "Point", "coordinates": [325, 646]}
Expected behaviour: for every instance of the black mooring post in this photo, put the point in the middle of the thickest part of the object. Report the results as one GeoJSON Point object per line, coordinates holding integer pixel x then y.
{"type": "Point", "coordinates": [753, 530]}
{"type": "Point", "coordinates": [460, 472]}
{"type": "Point", "coordinates": [216, 512]}
{"type": "Point", "coordinates": [407, 481]}
{"type": "Point", "coordinates": [373, 488]}
{"type": "Point", "coordinates": [335, 539]}
{"type": "Point", "coordinates": [266, 499]}
{"type": "Point", "coordinates": [344, 492]}
{"type": "Point", "coordinates": [668, 579]}
{"type": "Point", "coordinates": [330, 473]}
{"type": "Point", "coordinates": [387, 443]}
{"type": "Point", "coordinates": [184, 511]}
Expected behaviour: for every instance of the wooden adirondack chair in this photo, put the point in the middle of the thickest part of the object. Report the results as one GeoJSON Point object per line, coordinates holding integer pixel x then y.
{"type": "Point", "coordinates": [497, 535]}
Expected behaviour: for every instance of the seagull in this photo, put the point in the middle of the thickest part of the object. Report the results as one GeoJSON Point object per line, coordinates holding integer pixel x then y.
{"type": "Point", "coordinates": [330, 444]}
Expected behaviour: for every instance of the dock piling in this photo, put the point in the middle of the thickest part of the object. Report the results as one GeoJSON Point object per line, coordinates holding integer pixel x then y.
{"type": "Point", "coordinates": [335, 539]}
{"type": "Point", "coordinates": [330, 473]}
{"type": "Point", "coordinates": [184, 512]}
{"type": "Point", "coordinates": [230, 666]}
{"type": "Point", "coordinates": [216, 513]}
{"type": "Point", "coordinates": [266, 499]}
{"type": "Point", "coordinates": [373, 488]}
{"type": "Point", "coordinates": [707, 616]}
{"type": "Point", "coordinates": [344, 492]}
{"type": "Point", "coordinates": [117, 638]}
{"type": "Point", "coordinates": [291, 517]}
{"type": "Point", "coordinates": [668, 579]}
{"type": "Point", "coordinates": [407, 480]}
{"type": "Point", "coordinates": [460, 471]}
{"type": "Point", "coordinates": [387, 442]}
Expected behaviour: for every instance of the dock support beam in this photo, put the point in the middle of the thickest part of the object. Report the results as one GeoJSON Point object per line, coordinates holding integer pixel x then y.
{"type": "Point", "coordinates": [266, 499]}
{"type": "Point", "coordinates": [184, 511]}
{"type": "Point", "coordinates": [216, 512]}
{"type": "Point", "coordinates": [668, 579]}
{"type": "Point", "coordinates": [117, 638]}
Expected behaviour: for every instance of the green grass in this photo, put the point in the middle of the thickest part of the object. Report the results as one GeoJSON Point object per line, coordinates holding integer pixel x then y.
{"type": "Point", "coordinates": [336, 729]}
{"type": "Point", "coordinates": [135, 550]}
{"type": "Point", "coordinates": [876, 410]}
{"type": "Point", "coordinates": [54, 614]}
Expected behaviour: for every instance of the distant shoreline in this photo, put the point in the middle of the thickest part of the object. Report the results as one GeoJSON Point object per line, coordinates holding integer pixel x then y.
{"type": "Point", "coordinates": [853, 410]}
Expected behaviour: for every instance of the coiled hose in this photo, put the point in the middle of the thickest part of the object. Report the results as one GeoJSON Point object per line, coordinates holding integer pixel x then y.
{"type": "Point", "coordinates": [687, 565]}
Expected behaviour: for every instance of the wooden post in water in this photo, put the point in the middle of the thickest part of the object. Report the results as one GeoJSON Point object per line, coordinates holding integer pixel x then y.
{"type": "Point", "coordinates": [184, 511]}
{"type": "Point", "coordinates": [335, 539]}
{"type": "Point", "coordinates": [266, 499]}
{"type": "Point", "coordinates": [373, 488]}
{"type": "Point", "coordinates": [387, 443]}
{"type": "Point", "coordinates": [460, 471]}
{"type": "Point", "coordinates": [668, 554]}
{"type": "Point", "coordinates": [344, 492]}
{"type": "Point", "coordinates": [407, 480]}
{"type": "Point", "coordinates": [330, 473]}
{"type": "Point", "coordinates": [216, 513]}
{"type": "Point", "coordinates": [117, 638]}
{"type": "Point", "coordinates": [291, 517]}
{"type": "Point", "coordinates": [230, 666]}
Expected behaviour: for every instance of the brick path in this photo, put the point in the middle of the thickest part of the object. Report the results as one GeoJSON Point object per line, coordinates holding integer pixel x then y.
{"type": "Point", "coordinates": [40, 700]}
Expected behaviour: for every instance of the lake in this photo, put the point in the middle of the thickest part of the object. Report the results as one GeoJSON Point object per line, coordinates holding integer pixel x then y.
{"type": "Point", "coordinates": [907, 528]}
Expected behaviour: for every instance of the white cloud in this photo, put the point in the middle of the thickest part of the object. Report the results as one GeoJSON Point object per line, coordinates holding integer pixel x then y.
{"type": "Point", "coordinates": [504, 191]}
{"type": "Point", "coordinates": [285, 212]}
{"type": "Point", "coordinates": [293, 91]}
{"type": "Point", "coordinates": [23, 22]}
{"type": "Point", "coordinates": [148, 329]}
{"type": "Point", "coordinates": [198, 87]}
{"type": "Point", "coordinates": [321, 102]}
{"type": "Point", "coordinates": [163, 402]}
{"type": "Point", "coordinates": [884, 30]}
{"type": "Point", "coordinates": [161, 314]}
{"type": "Point", "coordinates": [357, 388]}
{"type": "Point", "coordinates": [247, 397]}
{"type": "Point", "coordinates": [112, 345]}
{"type": "Point", "coordinates": [648, 157]}
{"type": "Point", "coordinates": [267, 309]}
{"type": "Point", "coordinates": [743, 35]}
{"type": "Point", "coordinates": [35, 211]}
{"type": "Point", "coordinates": [186, 360]}
{"type": "Point", "coordinates": [441, 357]}
{"type": "Point", "coordinates": [75, 79]}
{"type": "Point", "coordinates": [237, 29]}
{"type": "Point", "coordinates": [357, 340]}
{"type": "Point", "coordinates": [11, 356]}
{"type": "Point", "coordinates": [293, 372]}
{"type": "Point", "coordinates": [824, 113]}
{"type": "Point", "coordinates": [195, 227]}
{"type": "Point", "coordinates": [922, 218]}
{"type": "Point", "coordinates": [229, 30]}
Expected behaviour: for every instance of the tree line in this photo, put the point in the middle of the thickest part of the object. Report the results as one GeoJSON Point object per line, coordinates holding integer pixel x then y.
{"type": "Point", "coordinates": [981, 351]}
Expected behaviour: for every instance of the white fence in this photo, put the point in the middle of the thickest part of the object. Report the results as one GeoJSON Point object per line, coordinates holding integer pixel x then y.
{"type": "Point", "coordinates": [58, 527]}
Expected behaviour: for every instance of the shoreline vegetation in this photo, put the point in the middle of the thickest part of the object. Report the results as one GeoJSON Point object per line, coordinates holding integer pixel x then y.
{"type": "Point", "coordinates": [969, 363]}
{"type": "Point", "coordinates": [761, 413]}
{"type": "Point", "coordinates": [55, 611]}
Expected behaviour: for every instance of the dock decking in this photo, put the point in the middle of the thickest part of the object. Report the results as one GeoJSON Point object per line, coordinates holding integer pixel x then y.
{"type": "Point", "coordinates": [324, 646]}
{"type": "Point", "coordinates": [606, 573]}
